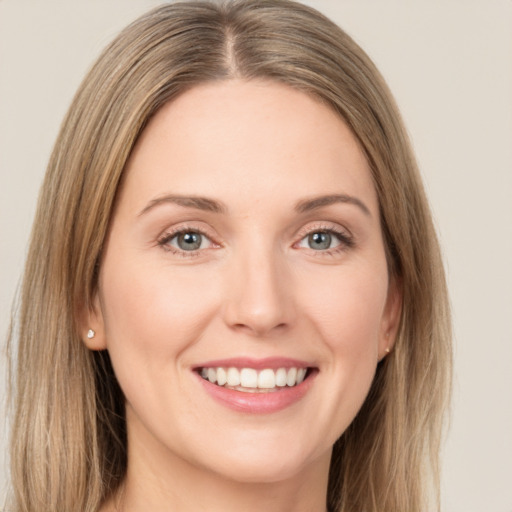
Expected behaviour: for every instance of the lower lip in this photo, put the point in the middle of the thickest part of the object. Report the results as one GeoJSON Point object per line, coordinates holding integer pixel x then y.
{"type": "Point", "coordinates": [258, 403]}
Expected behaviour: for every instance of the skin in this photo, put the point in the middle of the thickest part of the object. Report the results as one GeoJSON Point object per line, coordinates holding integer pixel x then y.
{"type": "Point", "coordinates": [256, 288]}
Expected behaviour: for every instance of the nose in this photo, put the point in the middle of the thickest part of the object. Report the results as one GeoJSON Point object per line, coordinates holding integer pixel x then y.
{"type": "Point", "coordinates": [259, 300]}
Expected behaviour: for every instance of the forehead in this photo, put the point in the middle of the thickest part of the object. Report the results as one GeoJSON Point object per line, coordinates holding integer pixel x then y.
{"type": "Point", "coordinates": [247, 140]}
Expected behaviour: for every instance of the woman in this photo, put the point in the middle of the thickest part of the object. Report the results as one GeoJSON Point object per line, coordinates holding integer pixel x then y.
{"type": "Point", "coordinates": [234, 296]}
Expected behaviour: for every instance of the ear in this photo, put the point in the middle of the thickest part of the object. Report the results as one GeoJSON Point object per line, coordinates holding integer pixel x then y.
{"type": "Point", "coordinates": [92, 325]}
{"type": "Point", "coordinates": [391, 317]}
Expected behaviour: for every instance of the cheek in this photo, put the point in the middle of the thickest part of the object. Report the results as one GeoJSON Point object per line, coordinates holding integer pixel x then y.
{"type": "Point", "coordinates": [349, 315]}
{"type": "Point", "coordinates": [347, 307]}
{"type": "Point", "coordinates": [151, 311]}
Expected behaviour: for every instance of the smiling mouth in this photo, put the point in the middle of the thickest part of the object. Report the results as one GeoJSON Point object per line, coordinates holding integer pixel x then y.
{"type": "Point", "coordinates": [250, 380]}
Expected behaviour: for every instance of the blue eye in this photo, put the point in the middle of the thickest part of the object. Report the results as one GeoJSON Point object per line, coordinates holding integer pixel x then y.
{"type": "Point", "coordinates": [321, 240]}
{"type": "Point", "coordinates": [186, 241]}
{"type": "Point", "coordinates": [189, 241]}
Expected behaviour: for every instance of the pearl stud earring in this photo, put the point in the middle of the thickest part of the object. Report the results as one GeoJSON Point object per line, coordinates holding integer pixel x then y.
{"type": "Point", "coordinates": [90, 334]}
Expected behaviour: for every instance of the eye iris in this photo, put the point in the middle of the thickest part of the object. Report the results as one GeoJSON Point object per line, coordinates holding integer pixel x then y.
{"type": "Point", "coordinates": [319, 240]}
{"type": "Point", "coordinates": [189, 241]}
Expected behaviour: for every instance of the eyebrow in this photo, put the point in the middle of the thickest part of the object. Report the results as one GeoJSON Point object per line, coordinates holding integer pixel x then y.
{"type": "Point", "coordinates": [307, 205]}
{"type": "Point", "coordinates": [211, 205]}
{"type": "Point", "coordinates": [197, 202]}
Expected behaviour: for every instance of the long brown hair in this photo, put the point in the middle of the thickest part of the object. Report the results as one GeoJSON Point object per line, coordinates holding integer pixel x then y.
{"type": "Point", "coordinates": [68, 444]}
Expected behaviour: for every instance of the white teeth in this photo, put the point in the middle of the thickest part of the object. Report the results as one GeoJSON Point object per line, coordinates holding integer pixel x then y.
{"type": "Point", "coordinates": [221, 376]}
{"type": "Point", "coordinates": [249, 378]}
{"type": "Point", "coordinates": [291, 378]}
{"type": "Point", "coordinates": [281, 377]}
{"type": "Point", "coordinates": [267, 379]}
{"type": "Point", "coordinates": [253, 379]}
{"type": "Point", "coordinates": [233, 377]}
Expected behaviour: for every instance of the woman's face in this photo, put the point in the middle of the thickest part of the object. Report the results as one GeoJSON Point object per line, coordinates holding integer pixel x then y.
{"type": "Point", "coordinates": [246, 249]}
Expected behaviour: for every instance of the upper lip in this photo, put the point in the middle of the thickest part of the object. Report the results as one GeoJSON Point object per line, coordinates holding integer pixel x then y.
{"type": "Point", "coordinates": [273, 363]}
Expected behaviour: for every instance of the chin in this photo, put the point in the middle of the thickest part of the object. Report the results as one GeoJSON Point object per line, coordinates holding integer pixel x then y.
{"type": "Point", "coordinates": [263, 471]}
{"type": "Point", "coordinates": [267, 462]}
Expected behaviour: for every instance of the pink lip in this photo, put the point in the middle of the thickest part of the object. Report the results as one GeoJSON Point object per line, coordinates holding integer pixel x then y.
{"type": "Point", "coordinates": [257, 403]}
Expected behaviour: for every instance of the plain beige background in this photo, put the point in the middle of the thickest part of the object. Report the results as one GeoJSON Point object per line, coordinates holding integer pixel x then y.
{"type": "Point", "coordinates": [449, 63]}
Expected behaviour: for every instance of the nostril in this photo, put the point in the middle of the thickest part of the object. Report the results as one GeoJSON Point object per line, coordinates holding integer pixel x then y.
{"type": "Point", "coordinates": [259, 329]}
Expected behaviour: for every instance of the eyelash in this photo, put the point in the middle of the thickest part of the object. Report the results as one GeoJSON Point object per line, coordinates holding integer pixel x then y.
{"type": "Point", "coordinates": [164, 240]}
{"type": "Point", "coordinates": [346, 240]}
